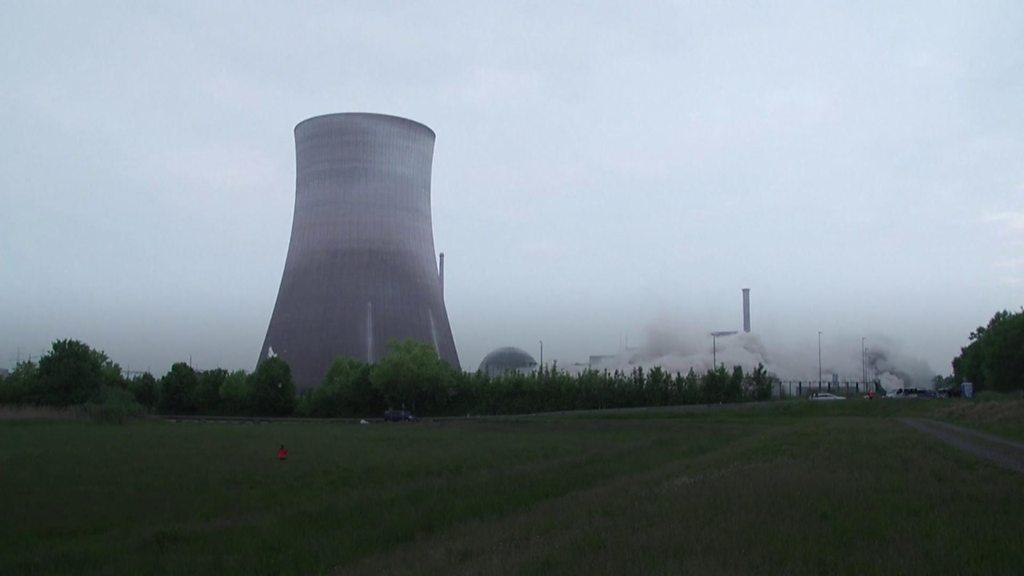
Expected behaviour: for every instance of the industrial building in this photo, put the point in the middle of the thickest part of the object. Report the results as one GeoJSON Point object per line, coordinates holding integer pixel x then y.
{"type": "Point", "coordinates": [506, 360]}
{"type": "Point", "coordinates": [361, 268]}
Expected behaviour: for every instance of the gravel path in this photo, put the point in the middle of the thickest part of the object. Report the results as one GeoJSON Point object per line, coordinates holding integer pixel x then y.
{"type": "Point", "coordinates": [1000, 451]}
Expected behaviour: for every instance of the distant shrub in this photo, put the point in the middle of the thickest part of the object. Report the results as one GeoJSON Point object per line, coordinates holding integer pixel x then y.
{"type": "Point", "coordinates": [113, 406]}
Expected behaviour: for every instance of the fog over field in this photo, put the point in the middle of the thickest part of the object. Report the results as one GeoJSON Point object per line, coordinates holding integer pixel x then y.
{"type": "Point", "coordinates": [603, 172]}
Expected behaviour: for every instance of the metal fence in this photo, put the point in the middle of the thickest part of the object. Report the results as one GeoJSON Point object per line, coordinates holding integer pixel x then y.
{"type": "Point", "coordinates": [802, 388]}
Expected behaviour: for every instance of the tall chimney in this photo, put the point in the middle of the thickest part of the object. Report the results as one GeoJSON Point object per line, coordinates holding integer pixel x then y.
{"type": "Point", "coordinates": [746, 309]}
{"type": "Point", "coordinates": [440, 274]}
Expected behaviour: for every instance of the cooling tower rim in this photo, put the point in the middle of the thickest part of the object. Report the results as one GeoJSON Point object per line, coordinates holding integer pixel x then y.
{"type": "Point", "coordinates": [389, 117]}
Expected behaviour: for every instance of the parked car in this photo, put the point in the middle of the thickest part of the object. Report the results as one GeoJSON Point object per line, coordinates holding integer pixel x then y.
{"type": "Point", "coordinates": [398, 416]}
{"type": "Point", "coordinates": [824, 397]}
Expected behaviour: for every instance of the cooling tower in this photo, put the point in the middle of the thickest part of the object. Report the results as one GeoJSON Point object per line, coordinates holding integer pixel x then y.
{"type": "Point", "coordinates": [360, 270]}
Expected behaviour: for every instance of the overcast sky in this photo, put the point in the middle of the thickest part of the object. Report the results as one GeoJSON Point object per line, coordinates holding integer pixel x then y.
{"type": "Point", "coordinates": [598, 170]}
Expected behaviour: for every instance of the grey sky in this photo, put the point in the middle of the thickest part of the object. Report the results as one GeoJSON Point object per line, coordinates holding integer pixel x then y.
{"type": "Point", "coordinates": [598, 169]}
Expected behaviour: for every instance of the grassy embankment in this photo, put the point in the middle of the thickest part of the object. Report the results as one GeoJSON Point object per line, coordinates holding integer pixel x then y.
{"type": "Point", "coordinates": [793, 488]}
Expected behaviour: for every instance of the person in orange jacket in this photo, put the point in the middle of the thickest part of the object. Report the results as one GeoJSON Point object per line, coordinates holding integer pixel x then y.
{"type": "Point", "coordinates": [282, 453]}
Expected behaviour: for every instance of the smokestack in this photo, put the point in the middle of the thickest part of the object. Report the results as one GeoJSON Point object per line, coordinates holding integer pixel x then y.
{"type": "Point", "coordinates": [746, 309]}
{"type": "Point", "coordinates": [440, 274]}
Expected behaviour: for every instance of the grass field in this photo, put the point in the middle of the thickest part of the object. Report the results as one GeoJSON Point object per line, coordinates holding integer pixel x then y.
{"type": "Point", "coordinates": [785, 488]}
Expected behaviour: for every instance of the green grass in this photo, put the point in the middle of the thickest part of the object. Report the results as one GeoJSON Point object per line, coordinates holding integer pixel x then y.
{"type": "Point", "coordinates": [1001, 414]}
{"type": "Point", "coordinates": [787, 488]}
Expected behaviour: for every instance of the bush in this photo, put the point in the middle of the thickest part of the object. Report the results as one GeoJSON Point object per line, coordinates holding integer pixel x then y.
{"type": "Point", "coordinates": [113, 405]}
{"type": "Point", "coordinates": [273, 392]}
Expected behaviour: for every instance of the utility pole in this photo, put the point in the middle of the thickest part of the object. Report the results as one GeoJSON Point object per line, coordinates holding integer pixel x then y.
{"type": "Point", "coordinates": [541, 355]}
{"type": "Point", "coordinates": [819, 359]}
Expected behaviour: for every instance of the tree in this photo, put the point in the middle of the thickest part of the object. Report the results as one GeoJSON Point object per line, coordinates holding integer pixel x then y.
{"type": "Point", "coordinates": [346, 391]}
{"type": "Point", "coordinates": [714, 383]}
{"type": "Point", "coordinates": [177, 390]}
{"type": "Point", "coordinates": [19, 385]}
{"type": "Point", "coordinates": [71, 373]}
{"type": "Point", "coordinates": [758, 385]}
{"type": "Point", "coordinates": [412, 375]}
{"type": "Point", "coordinates": [110, 371]}
{"type": "Point", "coordinates": [146, 390]}
{"type": "Point", "coordinates": [273, 392]}
{"type": "Point", "coordinates": [994, 359]}
{"type": "Point", "coordinates": [206, 396]}
{"type": "Point", "coordinates": [1003, 364]}
{"type": "Point", "coordinates": [734, 385]}
{"type": "Point", "coordinates": [236, 393]}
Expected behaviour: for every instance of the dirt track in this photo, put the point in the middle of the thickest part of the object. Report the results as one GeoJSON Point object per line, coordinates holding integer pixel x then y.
{"type": "Point", "coordinates": [1000, 451]}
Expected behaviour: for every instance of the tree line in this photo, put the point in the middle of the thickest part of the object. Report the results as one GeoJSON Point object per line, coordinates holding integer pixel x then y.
{"type": "Point", "coordinates": [994, 357]}
{"type": "Point", "coordinates": [410, 376]}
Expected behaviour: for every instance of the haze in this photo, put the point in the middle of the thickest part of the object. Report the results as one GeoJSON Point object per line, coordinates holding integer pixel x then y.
{"type": "Point", "coordinates": [601, 172]}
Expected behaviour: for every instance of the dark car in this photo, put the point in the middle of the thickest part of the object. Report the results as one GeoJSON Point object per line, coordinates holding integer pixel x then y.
{"type": "Point", "coordinates": [398, 416]}
{"type": "Point", "coordinates": [914, 393]}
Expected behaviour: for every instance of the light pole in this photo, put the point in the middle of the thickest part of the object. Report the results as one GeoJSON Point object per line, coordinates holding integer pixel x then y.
{"type": "Point", "coordinates": [541, 355]}
{"type": "Point", "coordinates": [819, 359]}
{"type": "Point", "coordinates": [863, 365]}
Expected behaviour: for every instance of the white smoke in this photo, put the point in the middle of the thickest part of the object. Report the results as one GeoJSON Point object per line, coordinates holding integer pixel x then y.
{"type": "Point", "coordinates": [678, 349]}
{"type": "Point", "coordinates": [895, 369]}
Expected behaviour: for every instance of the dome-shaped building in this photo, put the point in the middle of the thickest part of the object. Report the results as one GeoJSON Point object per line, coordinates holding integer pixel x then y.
{"type": "Point", "coordinates": [507, 359]}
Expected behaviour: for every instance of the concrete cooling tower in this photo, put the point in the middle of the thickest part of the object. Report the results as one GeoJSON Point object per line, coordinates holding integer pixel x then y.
{"type": "Point", "coordinates": [360, 270]}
